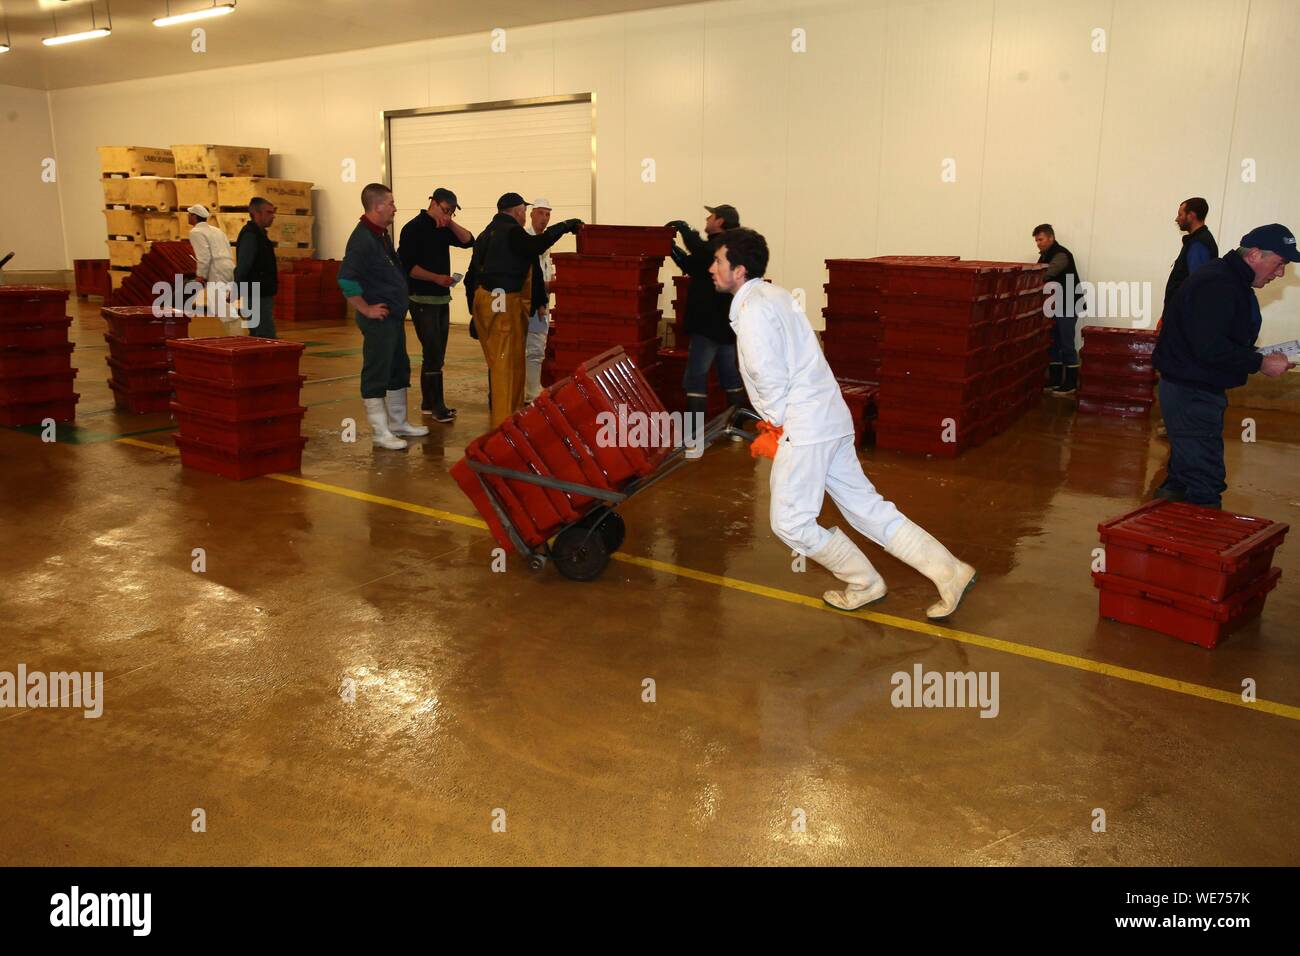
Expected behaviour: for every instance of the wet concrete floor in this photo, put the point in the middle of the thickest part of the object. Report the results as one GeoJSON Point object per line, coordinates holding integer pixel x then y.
{"type": "Point", "coordinates": [517, 697]}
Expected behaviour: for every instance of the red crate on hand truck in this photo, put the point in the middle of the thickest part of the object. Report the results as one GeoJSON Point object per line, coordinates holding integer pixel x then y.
{"type": "Point", "coordinates": [549, 480]}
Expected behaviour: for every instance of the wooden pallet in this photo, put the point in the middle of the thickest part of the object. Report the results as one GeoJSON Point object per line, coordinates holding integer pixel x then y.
{"type": "Point", "coordinates": [215, 162]}
{"type": "Point", "coordinates": [136, 161]}
{"type": "Point", "coordinates": [290, 196]}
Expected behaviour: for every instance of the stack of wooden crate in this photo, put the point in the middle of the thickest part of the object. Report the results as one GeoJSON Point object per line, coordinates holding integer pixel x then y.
{"type": "Point", "coordinates": [199, 168]}
{"type": "Point", "coordinates": [290, 233]}
{"type": "Point", "coordinates": [139, 203]}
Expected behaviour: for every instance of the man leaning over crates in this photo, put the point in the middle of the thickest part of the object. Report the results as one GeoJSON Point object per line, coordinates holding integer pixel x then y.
{"type": "Point", "coordinates": [214, 263]}
{"type": "Point", "coordinates": [808, 433]}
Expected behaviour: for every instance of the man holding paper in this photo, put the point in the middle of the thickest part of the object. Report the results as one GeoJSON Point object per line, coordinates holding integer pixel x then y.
{"type": "Point", "coordinates": [1207, 346]}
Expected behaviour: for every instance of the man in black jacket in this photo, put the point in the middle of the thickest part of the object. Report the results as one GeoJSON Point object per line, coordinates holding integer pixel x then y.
{"type": "Point", "coordinates": [255, 263]}
{"type": "Point", "coordinates": [1198, 247]}
{"type": "Point", "coordinates": [505, 257]}
{"type": "Point", "coordinates": [1206, 346]}
{"type": "Point", "coordinates": [1063, 290]}
{"type": "Point", "coordinates": [708, 318]}
{"type": "Point", "coordinates": [425, 251]}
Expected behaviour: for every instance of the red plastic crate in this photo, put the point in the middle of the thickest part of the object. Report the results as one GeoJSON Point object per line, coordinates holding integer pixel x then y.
{"type": "Point", "coordinates": [243, 464]}
{"type": "Point", "coordinates": [34, 413]}
{"type": "Point", "coordinates": [135, 379]}
{"type": "Point", "coordinates": [585, 327]}
{"type": "Point", "coordinates": [1116, 390]}
{"type": "Point", "coordinates": [928, 441]}
{"type": "Point", "coordinates": [548, 431]}
{"type": "Point", "coordinates": [139, 354]}
{"type": "Point", "coordinates": [31, 363]}
{"type": "Point", "coordinates": [46, 388]}
{"type": "Point", "coordinates": [1106, 365]}
{"type": "Point", "coordinates": [525, 505]}
{"type": "Point", "coordinates": [613, 271]}
{"type": "Point", "coordinates": [137, 324]}
{"type": "Point", "coordinates": [1203, 552]}
{"type": "Point", "coordinates": [239, 401]}
{"type": "Point", "coordinates": [552, 457]}
{"type": "Point", "coordinates": [235, 435]}
{"type": "Point", "coordinates": [947, 365]}
{"type": "Point", "coordinates": [1115, 409]}
{"type": "Point", "coordinates": [928, 391]}
{"type": "Point", "coordinates": [42, 336]}
{"type": "Point", "coordinates": [861, 399]}
{"type": "Point", "coordinates": [567, 400]}
{"type": "Point", "coordinates": [32, 305]}
{"type": "Point", "coordinates": [956, 337]}
{"type": "Point", "coordinates": [1116, 341]}
{"type": "Point", "coordinates": [237, 359]}
{"type": "Point", "coordinates": [595, 240]}
{"type": "Point", "coordinates": [510, 448]}
{"type": "Point", "coordinates": [855, 366]}
{"type": "Point", "coordinates": [1191, 619]}
{"type": "Point", "coordinates": [141, 402]}
{"type": "Point", "coordinates": [631, 301]}
{"type": "Point", "coordinates": [960, 280]}
{"type": "Point", "coordinates": [869, 273]}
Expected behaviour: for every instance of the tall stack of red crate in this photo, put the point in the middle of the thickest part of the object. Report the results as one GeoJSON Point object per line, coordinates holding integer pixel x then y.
{"type": "Point", "coordinates": [1194, 573]}
{"type": "Point", "coordinates": [559, 435]}
{"type": "Point", "coordinates": [607, 294]}
{"type": "Point", "coordinates": [1116, 376]}
{"type": "Point", "coordinates": [309, 291]}
{"type": "Point", "coordinates": [959, 347]}
{"type": "Point", "coordinates": [171, 263]}
{"type": "Point", "coordinates": [237, 405]}
{"type": "Point", "coordinates": [139, 359]}
{"type": "Point", "coordinates": [681, 338]}
{"type": "Point", "coordinates": [36, 373]}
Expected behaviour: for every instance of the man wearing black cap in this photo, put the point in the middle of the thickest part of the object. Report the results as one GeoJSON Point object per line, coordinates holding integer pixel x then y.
{"type": "Point", "coordinates": [425, 250]}
{"type": "Point", "coordinates": [1207, 346]}
{"type": "Point", "coordinates": [708, 318]}
{"type": "Point", "coordinates": [504, 257]}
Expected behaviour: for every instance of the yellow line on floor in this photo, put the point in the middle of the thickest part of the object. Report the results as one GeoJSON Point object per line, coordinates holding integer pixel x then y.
{"type": "Point", "coordinates": [789, 597]}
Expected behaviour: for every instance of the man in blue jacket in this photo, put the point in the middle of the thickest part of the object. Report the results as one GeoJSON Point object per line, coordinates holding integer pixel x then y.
{"type": "Point", "coordinates": [1207, 346]}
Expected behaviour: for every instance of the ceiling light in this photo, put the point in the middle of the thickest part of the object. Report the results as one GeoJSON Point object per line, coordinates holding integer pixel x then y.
{"type": "Point", "coordinates": [219, 10]}
{"type": "Point", "coordinates": [74, 37]}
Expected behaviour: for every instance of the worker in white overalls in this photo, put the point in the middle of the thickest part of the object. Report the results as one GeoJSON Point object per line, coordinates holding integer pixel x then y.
{"type": "Point", "coordinates": [214, 264]}
{"type": "Point", "coordinates": [809, 435]}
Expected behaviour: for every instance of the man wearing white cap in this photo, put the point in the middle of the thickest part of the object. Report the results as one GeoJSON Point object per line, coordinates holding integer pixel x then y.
{"type": "Point", "coordinates": [214, 261]}
{"type": "Point", "coordinates": [539, 317]}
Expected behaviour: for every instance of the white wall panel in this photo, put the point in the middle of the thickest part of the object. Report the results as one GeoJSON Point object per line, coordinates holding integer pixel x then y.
{"type": "Point", "coordinates": [29, 206]}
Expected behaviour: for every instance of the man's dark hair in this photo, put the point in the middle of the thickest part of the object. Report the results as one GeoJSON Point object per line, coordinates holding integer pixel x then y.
{"type": "Point", "coordinates": [747, 248]}
{"type": "Point", "coordinates": [373, 194]}
{"type": "Point", "coordinates": [257, 202]}
{"type": "Point", "coordinates": [1198, 206]}
{"type": "Point", "coordinates": [1045, 228]}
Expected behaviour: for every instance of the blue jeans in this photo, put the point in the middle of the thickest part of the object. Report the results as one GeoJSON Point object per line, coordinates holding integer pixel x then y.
{"type": "Point", "coordinates": [1194, 422]}
{"type": "Point", "coordinates": [1063, 350]}
{"type": "Point", "coordinates": [265, 327]}
{"type": "Point", "coordinates": [704, 353]}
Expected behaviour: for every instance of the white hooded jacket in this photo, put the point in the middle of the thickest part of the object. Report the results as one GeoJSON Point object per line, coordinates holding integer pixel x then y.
{"type": "Point", "coordinates": [212, 253]}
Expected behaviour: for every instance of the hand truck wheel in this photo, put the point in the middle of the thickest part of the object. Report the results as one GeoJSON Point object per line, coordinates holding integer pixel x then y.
{"type": "Point", "coordinates": [537, 562]}
{"type": "Point", "coordinates": [580, 553]}
{"type": "Point", "coordinates": [612, 528]}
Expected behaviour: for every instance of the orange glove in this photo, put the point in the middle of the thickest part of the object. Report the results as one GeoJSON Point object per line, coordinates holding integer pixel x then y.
{"type": "Point", "coordinates": [765, 443]}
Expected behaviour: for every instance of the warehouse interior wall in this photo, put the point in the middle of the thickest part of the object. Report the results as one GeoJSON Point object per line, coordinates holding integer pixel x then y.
{"type": "Point", "coordinates": [837, 127]}
{"type": "Point", "coordinates": [30, 221]}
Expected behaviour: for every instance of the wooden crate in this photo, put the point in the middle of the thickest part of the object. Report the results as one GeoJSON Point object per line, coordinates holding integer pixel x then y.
{"type": "Point", "coordinates": [136, 161]}
{"type": "Point", "coordinates": [162, 226]}
{"type": "Point", "coordinates": [291, 230]}
{"type": "Point", "coordinates": [151, 192]}
{"type": "Point", "coordinates": [126, 253]}
{"type": "Point", "coordinates": [196, 192]}
{"type": "Point", "coordinates": [116, 276]}
{"type": "Point", "coordinates": [115, 192]}
{"type": "Point", "coordinates": [217, 161]}
{"type": "Point", "coordinates": [124, 222]}
{"type": "Point", "coordinates": [231, 223]}
{"type": "Point", "coordinates": [295, 252]}
{"type": "Point", "coordinates": [290, 196]}
{"type": "Point", "coordinates": [182, 225]}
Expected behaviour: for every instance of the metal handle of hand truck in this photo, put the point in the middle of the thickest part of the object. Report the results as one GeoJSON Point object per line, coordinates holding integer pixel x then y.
{"type": "Point", "coordinates": [743, 413]}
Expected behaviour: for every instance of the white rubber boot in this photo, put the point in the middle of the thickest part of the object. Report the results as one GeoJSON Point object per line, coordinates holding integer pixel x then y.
{"type": "Point", "coordinates": [844, 559]}
{"type": "Point", "coordinates": [913, 545]}
{"type": "Point", "coordinates": [377, 413]}
{"type": "Point", "coordinates": [397, 423]}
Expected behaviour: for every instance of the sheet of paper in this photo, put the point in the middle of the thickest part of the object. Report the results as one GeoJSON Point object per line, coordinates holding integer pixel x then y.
{"type": "Point", "coordinates": [1289, 349]}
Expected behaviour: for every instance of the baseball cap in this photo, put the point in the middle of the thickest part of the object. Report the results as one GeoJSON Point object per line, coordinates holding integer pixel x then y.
{"type": "Point", "coordinates": [200, 211]}
{"type": "Point", "coordinates": [540, 203]}
{"type": "Point", "coordinates": [509, 201]}
{"type": "Point", "coordinates": [445, 195]}
{"type": "Point", "coordinates": [730, 218]}
{"type": "Point", "coordinates": [1274, 237]}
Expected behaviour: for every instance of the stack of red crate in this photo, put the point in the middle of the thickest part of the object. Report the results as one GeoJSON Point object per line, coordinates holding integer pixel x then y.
{"type": "Point", "coordinates": [959, 347]}
{"type": "Point", "coordinates": [91, 277]}
{"type": "Point", "coordinates": [171, 263]}
{"type": "Point", "coordinates": [606, 294]}
{"type": "Point", "coordinates": [139, 359]}
{"type": "Point", "coordinates": [861, 399]}
{"type": "Point", "coordinates": [669, 374]}
{"type": "Point", "coordinates": [1116, 376]}
{"type": "Point", "coordinates": [1191, 572]}
{"type": "Point", "coordinates": [560, 435]}
{"type": "Point", "coordinates": [309, 291]}
{"type": "Point", "coordinates": [36, 373]}
{"type": "Point", "coordinates": [237, 405]}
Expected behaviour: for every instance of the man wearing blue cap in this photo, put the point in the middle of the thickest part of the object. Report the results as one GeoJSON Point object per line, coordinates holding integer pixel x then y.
{"type": "Point", "coordinates": [1207, 346]}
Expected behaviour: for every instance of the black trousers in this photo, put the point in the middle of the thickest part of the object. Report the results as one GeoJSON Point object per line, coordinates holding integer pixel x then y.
{"type": "Point", "coordinates": [1194, 422]}
{"type": "Point", "coordinates": [432, 326]}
